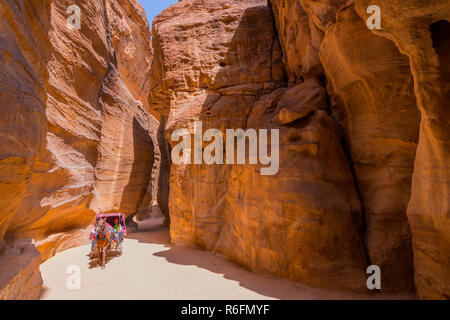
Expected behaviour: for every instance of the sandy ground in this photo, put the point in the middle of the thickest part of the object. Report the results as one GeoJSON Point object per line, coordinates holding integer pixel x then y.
{"type": "Point", "coordinates": [152, 268]}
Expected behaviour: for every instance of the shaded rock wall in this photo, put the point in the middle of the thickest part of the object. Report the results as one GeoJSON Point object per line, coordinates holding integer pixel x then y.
{"type": "Point", "coordinates": [164, 171]}
{"type": "Point", "coordinates": [76, 131]}
{"type": "Point", "coordinates": [304, 222]}
{"type": "Point", "coordinates": [375, 107]}
{"type": "Point", "coordinates": [19, 271]}
{"type": "Point", "coordinates": [420, 31]}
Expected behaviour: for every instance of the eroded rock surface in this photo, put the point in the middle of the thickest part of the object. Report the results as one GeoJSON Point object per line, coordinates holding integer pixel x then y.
{"type": "Point", "coordinates": [306, 228]}
{"type": "Point", "coordinates": [375, 107]}
{"type": "Point", "coordinates": [420, 30]}
{"type": "Point", "coordinates": [19, 271]}
{"type": "Point", "coordinates": [363, 136]}
{"type": "Point", "coordinates": [87, 115]}
{"type": "Point", "coordinates": [76, 131]}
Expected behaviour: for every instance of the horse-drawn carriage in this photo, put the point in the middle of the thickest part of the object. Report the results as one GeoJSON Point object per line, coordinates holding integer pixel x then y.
{"type": "Point", "coordinates": [107, 235]}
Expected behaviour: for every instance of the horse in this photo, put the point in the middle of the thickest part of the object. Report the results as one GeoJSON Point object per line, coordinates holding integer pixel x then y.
{"type": "Point", "coordinates": [102, 241]}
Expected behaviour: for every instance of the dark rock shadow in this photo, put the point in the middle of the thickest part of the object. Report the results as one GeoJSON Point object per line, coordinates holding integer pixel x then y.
{"type": "Point", "coordinates": [440, 33]}
{"type": "Point", "coordinates": [164, 171]}
{"type": "Point", "coordinates": [152, 230]}
{"type": "Point", "coordinates": [133, 194]}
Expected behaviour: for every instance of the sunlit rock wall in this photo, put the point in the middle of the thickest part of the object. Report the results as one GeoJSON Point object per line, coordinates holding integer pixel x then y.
{"type": "Point", "coordinates": [363, 136]}
{"type": "Point", "coordinates": [76, 131]}
{"type": "Point", "coordinates": [305, 222]}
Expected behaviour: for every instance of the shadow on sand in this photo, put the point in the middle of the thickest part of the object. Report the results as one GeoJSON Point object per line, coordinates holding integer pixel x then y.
{"type": "Point", "coordinates": [94, 261]}
{"type": "Point", "coordinates": [152, 231]}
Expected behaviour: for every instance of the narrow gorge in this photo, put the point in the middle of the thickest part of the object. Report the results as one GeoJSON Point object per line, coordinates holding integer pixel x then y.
{"type": "Point", "coordinates": [363, 116]}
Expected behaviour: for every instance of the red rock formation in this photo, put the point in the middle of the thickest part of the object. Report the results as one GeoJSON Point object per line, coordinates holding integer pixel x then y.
{"type": "Point", "coordinates": [420, 31]}
{"type": "Point", "coordinates": [303, 222]}
{"type": "Point", "coordinates": [19, 271]}
{"type": "Point", "coordinates": [374, 84]}
{"type": "Point", "coordinates": [300, 39]}
{"type": "Point", "coordinates": [75, 123]}
{"type": "Point", "coordinates": [375, 107]}
{"type": "Point", "coordinates": [375, 88]}
{"type": "Point", "coordinates": [23, 124]}
{"type": "Point", "coordinates": [362, 116]}
{"type": "Point", "coordinates": [305, 228]}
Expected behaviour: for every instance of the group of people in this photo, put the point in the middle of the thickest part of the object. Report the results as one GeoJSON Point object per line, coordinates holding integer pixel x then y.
{"type": "Point", "coordinates": [117, 234]}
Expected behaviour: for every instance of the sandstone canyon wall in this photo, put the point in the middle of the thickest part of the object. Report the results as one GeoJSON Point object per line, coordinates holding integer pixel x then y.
{"type": "Point", "coordinates": [363, 123]}
{"type": "Point", "coordinates": [77, 137]}
{"type": "Point", "coordinates": [421, 31]}
{"type": "Point", "coordinates": [363, 119]}
{"type": "Point", "coordinates": [305, 222]}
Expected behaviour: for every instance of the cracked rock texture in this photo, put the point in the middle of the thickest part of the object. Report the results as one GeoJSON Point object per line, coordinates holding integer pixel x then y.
{"type": "Point", "coordinates": [77, 137]}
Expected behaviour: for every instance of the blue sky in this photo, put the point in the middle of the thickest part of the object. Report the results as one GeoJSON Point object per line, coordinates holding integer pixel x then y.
{"type": "Point", "coordinates": [154, 7]}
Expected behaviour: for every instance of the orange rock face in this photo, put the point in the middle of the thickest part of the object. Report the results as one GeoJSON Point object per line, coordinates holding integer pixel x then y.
{"type": "Point", "coordinates": [19, 271]}
{"type": "Point", "coordinates": [375, 107]}
{"type": "Point", "coordinates": [307, 227]}
{"type": "Point", "coordinates": [23, 123]}
{"type": "Point", "coordinates": [363, 137]}
{"type": "Point", "coordinates": [77, 137]}
{"type": "Point", "coordinates": [420, 31]}
{"type": "Point", "coordinates": [362, 115]}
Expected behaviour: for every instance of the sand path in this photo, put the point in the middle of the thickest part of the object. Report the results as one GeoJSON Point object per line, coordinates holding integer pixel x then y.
{"type": "Point", "coordinates": [152, 268]}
